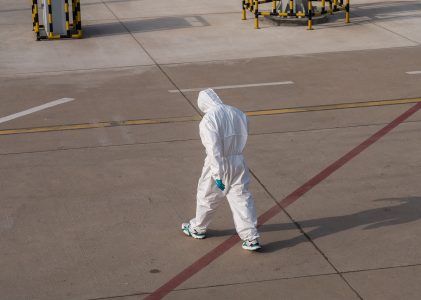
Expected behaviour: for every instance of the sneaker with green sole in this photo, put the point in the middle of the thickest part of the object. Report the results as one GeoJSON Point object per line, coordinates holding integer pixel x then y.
{"type": "Point", "coordinates": [187, 230]}
{"type": "Point", "coordinates": [251, 245]}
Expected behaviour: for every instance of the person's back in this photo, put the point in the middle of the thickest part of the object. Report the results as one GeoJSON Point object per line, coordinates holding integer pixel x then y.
{"type": "Point", "coordinates": [232, 127]}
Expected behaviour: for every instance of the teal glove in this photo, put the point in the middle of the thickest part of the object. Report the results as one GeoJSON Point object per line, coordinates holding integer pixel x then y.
{"type": "Point", "coordinates": [219, 184]}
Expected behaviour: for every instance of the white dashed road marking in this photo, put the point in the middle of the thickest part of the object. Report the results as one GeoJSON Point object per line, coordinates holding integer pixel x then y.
{"type": "Point", "coordinates": [224, 87]}
{"type": "Point", "coordinates": [35, 109]}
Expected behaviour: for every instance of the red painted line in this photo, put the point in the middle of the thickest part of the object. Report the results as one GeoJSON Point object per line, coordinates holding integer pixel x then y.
{"type": "Point", "coordinates": [209, 257]}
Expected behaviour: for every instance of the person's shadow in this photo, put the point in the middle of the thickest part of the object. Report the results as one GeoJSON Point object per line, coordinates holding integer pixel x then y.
{"type": "Point", "coordinates": [397, 211]}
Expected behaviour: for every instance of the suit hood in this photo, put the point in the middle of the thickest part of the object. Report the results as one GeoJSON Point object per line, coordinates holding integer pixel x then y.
{"type": "Point", "coordinates": [207, 100]}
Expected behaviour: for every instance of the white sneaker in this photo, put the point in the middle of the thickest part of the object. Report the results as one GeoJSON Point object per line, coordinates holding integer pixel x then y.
{"type": "Point", "coordinates": [186, 228]}
{"type": "Point", "coordinates": [251, 245]}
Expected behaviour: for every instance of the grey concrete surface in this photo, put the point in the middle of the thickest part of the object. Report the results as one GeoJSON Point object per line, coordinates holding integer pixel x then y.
{"type": "Point", "coordinates": [394, 283]}
{"type": "Point", "coordinates": [369, 196]}
{"type": "Point", "coordinates": [333, 78]}
{"type": "Point", "coordinates": [318, 287]}
{"type": "Point", "coordinates": [374, 200]}
{"type": "Point", "coordinates": [112, 95]}
{"type": "Point", "coordinates": [95, 213]}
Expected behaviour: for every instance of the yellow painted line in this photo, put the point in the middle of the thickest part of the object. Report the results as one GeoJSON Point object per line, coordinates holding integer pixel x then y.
{"type": "Point", "coordinates": [161, 121]}
{"type": "Point", "coordinates": [100, 125]}
{"type": "Point", "coordinates": [198, 118]}
{"type": "Point", "coordinates": [332, 107]}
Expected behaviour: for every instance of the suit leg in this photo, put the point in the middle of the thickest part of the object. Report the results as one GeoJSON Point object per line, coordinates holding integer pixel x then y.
{"type": "Point", "coordinates": [208, 199]}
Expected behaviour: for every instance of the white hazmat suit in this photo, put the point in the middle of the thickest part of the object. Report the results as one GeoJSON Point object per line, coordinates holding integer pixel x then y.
{"type": "Point", "coordinates": [224, 131]}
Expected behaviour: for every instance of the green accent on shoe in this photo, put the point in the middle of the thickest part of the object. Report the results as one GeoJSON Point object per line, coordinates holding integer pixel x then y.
{"type": "Point", "coordinates": [186, 229]}
{"type": "Point", "coordinates": [201, 235]}
{"type": "Point", "coordinates": [251, 247]}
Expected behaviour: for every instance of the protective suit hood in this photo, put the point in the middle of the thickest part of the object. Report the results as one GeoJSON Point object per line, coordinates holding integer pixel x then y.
{"type": "Point", "coordinates": [207, 100]}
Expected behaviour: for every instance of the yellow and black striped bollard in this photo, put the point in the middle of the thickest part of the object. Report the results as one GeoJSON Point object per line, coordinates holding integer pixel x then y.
{"type": "Point", "coordinates": [66, 12]}
{"type": "Point", "coordinates": [274, 7]}
{"type": "Point", "coordinates": [244, 11]}
{"type": "Point", "coordinates": [256, 14]}
{"type": "Point", "coordinates": [291, 8]}
{"type": "Point", "coordinates": [347, 12]}
{"type": "Point", "coordinates": [310, 15]}
{"type": "Point", "coordinates": [50, 19]}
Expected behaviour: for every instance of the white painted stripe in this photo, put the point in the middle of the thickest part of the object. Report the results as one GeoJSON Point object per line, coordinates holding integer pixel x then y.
{"type": "Point", "coordinates": [35, 109]}
{"type": "Point", "coordinates": [193, 21]}
{"type": "Point", "coordinates": [233, 86]}
{"type": "Point", "coordinates": [413, 72]}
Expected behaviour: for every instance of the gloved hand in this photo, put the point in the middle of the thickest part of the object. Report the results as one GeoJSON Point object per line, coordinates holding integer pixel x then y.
{"type": "Point", "coordinates": [219, 184]}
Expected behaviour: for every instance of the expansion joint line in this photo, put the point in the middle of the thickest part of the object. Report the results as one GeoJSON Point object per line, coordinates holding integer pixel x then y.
{"type": "Point", "coordinates": [300, 228]}
{"type": "Point", "coordinates": [153, 59]}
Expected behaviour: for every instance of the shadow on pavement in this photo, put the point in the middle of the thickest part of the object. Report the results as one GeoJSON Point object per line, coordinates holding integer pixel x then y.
{"type": "Point", "coordinates": [144, 25]}
{"type": "Point", "coordinates": [399, 211]}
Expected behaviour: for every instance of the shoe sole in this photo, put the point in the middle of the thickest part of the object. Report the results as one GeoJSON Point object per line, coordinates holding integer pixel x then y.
{"type": "Point", "coordinates": [252, 248]}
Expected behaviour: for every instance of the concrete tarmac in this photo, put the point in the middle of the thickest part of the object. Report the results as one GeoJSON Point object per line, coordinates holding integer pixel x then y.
{"type": "Point", "coordinates": [93, 191]}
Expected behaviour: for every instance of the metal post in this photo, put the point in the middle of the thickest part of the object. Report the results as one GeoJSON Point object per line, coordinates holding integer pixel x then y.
{"type": "Point", "coordinates": [78, 16]}
{"type": "Point", "coordinates": [323, 6]}
{"type": "Point", "coordinates": [310, 15]}
{"type": "Point", "coordinates": [291, 7]}
{"type": "Point", "coordinates": [244, 17]}
{"type": "Point", "coordinates": [74, 12]}
{"type": "Point", "coordinates": [347, 12]}
{"type": "Point", "coordinates": [36, 17]}
{"type": "Point", "coordinates": [256, 14]}
{"type": "Point", "coordinates": [251, 5]}
{"type": "Point", "coordinates": [50, 19]}
{"type": "Point", "coordinates": [66, 12]}
{"type": "Point", "coordinates": [33, 16]}
{"type": "Point", "coordinates": [77, 21]}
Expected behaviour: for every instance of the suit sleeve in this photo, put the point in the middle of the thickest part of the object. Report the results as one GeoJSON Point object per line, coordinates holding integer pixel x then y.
{"type": "Point", "coordinates": [212, 142]}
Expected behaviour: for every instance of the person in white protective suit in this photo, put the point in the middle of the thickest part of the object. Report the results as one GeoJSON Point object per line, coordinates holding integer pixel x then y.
{"type": "Point", "coordinates": [224, 131]}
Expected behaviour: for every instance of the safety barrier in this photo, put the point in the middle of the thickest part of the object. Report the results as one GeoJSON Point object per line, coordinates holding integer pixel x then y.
{"type": "Point", "coordinates": [47, 29]}
{"type": "Point", "coordinates": [291, 11]}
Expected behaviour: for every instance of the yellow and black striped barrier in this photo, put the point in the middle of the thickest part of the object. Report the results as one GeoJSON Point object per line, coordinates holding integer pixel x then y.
{"type": "Point", "coordinates": [78, 20]}
{"type": "Point", "coordinates": [66, 11]}
{"type": "Point", "coordinates": [51, 34]}
{"type": "Point", "coordinates": [255, 7]}
{"type": "Point", "coordinates": [46, 31]}
{"type": "Point", "coordinates": [35, 18]}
